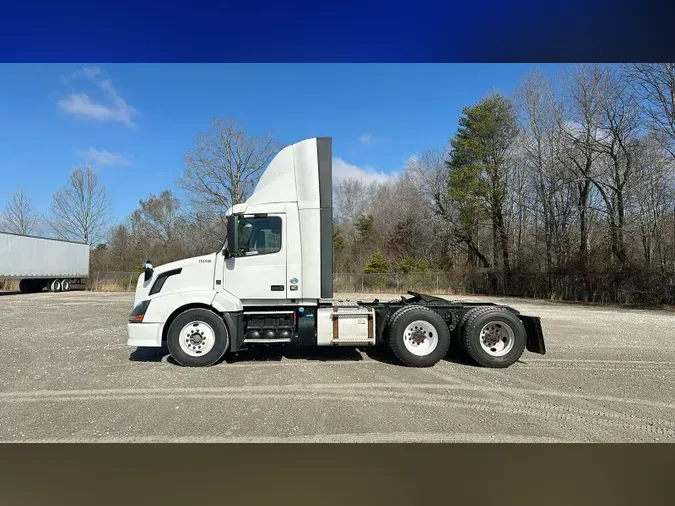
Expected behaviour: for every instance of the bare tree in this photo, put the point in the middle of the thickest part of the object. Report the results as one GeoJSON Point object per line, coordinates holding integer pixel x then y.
{"type": "Point", "coordinates": [539, 141]}
{"type": "Point", "coordinates": [652, 195]}
{"type": "Point", "coordinates": [21, 217]}
{"type": "Point", "coordinates": [352, 198]}
{"type": "Point", "coordinates": [224, 165]}
{"type": "Point", "coordinates": [655, 83]}
{"type": "Point", "coordinates": [577, 119]}
{"type": "Point", "coordinates": [159, 215]}
{"type": "Point", "coordinates": [430, 172]}
{"type": "Point", "coordinates": [617, 138]}
{"type": "Point", "coordinates": [81, 207]}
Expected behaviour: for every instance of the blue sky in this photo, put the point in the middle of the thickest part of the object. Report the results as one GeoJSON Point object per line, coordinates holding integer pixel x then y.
{"type": "Point", "coordinates": [134, 123]}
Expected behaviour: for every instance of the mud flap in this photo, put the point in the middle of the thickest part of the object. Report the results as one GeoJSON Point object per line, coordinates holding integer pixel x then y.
{"type": "Point", "coordinates": [535, 334]}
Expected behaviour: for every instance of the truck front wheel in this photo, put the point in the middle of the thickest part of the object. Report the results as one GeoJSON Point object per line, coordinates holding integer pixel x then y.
{"type": "Point", "coordinates": [197, 338]}
{"type": "Point", "coordinates": [418, 336]}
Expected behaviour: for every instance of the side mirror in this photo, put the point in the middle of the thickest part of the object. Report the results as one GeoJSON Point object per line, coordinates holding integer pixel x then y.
{"type": "Point", "coordinates": [147, 269]}
{"type": "Point", "coordinates": [232, 238]}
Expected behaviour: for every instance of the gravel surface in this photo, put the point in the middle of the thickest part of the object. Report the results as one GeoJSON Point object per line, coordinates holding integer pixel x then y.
{"type": "Point", "coordinates": [67, 375]}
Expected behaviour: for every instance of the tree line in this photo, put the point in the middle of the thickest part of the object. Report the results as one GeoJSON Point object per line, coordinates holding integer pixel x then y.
{"type": "Point", "coordinates": [564, 189]}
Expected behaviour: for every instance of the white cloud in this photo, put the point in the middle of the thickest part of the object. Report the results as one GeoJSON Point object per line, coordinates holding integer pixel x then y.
{"type": "Point", "coordinates": [110, 107]}
{"type": "Point", "coordinates": [371, 139]}
{"type": "Point", "coordinates": [578, 131]}
{"type": "Point", "coordinates": [104, 157]}
{"type": "Point", "coordinates": [343, 170]}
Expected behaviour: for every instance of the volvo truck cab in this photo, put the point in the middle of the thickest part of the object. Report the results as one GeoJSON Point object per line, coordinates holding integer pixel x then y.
{"type": "Point", "coordinates": [272, 283]}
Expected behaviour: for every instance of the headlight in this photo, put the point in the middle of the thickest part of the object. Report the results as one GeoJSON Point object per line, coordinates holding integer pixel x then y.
{"type": "Point", "coordinates": [139, 312]}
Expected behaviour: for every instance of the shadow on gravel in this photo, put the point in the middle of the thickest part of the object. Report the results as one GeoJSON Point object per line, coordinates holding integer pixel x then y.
{"type": "Point", "coordinates": [149, 354]}
{"type": "Point", "coordinates": [2, 294]}
{"type": "Point", "coordinates": [278, 353]}
{"type": "Point", "coordinates": [266, 354]}
{"type": "Point", "coordinates": [457, 355]}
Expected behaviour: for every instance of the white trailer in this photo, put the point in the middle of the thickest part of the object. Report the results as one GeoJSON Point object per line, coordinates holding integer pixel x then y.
{"type": "Point", "coordinates": [271, 283]}
{"type": "Point", "coordinates": [39, 262]}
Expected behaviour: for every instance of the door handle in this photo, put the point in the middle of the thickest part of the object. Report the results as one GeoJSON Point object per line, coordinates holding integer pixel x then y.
{"type": "Point", "coordinates": [277, 288]}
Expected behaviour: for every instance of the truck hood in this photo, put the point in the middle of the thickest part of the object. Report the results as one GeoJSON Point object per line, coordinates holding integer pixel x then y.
{"type": "Point", "coordinates": [196, 273]}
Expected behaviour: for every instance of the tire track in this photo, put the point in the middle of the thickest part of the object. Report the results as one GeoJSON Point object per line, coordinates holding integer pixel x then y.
{"type": "Point", "coordinates": [598, 368]}
{"type": "Point", "coordinates": [47, 394]}
{"type": "Point", "coordinates": [606, 365]}
{"type": "Point", "coordinates": [593, 361]}
{"type": "Point", "coordinates": [540, 410]}
{"type": "Point", "coordinates": [376, 437]}
{"type": "Point", "coordinates": [515, 396]}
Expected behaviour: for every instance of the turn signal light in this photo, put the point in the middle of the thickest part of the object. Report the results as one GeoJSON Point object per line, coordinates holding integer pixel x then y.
{"type": "Point", "coordinates": [139, 311]}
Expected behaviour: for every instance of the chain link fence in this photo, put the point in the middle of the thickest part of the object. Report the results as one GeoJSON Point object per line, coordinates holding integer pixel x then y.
{"type": "Point", "coordinates": [112, 281]}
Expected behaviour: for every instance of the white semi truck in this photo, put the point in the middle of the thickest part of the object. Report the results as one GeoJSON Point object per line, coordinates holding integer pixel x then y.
{"type": "Point", "coordinates": [39, 262]}
{"type": "Point", "coordinates": [272, 283]}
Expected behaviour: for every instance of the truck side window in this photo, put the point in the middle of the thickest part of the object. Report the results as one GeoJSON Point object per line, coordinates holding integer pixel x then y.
{"type": "Point", "coordinates": [259, 236]}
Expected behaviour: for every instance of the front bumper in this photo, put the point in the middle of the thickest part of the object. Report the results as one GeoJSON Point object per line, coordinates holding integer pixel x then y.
{"type": "Point", "coordinates": [144, 334]}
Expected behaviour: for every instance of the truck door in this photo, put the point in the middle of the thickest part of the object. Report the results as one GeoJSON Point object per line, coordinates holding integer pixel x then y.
{"type": "Point", "coordinates": [259, 272]}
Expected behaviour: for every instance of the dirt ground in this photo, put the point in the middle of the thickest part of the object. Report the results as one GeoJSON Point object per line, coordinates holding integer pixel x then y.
{"type": "Point", "coordinates": [67, 375]}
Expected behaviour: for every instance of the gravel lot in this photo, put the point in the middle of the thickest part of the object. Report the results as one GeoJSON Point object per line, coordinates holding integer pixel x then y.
{"type": "Point", "coordinates": [67, 375]}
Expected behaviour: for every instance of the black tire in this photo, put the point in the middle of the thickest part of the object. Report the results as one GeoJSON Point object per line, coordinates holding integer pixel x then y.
{"type": "Point", "coordinates": [65, 285]}
{"type": "Point", "coordinates": [457, 348]}
{"type": "Point", "coordinates": [31, 285]}
{"type": "Point", "coordinates": [396, 335]}
{"type": "Point", "coordinates": [476, 320]}
{"type": "Point", "coordinates": [222, 338]}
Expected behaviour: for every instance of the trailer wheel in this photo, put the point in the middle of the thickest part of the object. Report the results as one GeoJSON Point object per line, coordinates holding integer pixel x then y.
{"type": "Point", "coordinates": [31, 285]}
{"type": "Point", "coordinates": [65, 285]}
{"type": "Point", "coordinates": [418, 336]}
{"type": "Point", "coordinates": [55, 286]}
{"type": "Point", "coordinates": [197, 338]}
{"type": "Point", "coordinates": [493, 337]}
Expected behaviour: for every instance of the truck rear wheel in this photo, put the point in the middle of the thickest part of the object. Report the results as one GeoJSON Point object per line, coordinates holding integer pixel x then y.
{"type": "Point", "coordinates": [55, 286]}
{"type": "Point", "coordinates": [197, 338]}
{"type": "Point", "coordinates": [65, 285]}
{"type": "Point", "coordinates": [493, 337]}
{"type": "Point", "coordinates": [418, 336]}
